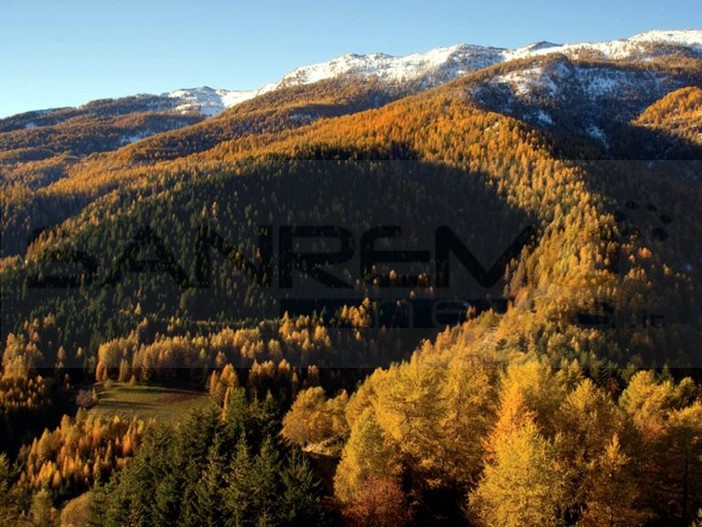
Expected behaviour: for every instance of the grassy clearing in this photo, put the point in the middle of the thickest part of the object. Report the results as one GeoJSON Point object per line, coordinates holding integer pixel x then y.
{"type": "Point", "coordinates": [167, 405]}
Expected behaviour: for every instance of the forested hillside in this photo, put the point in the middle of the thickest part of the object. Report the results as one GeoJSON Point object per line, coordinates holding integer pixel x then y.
{"type": "Point", "coordinates": [475, 304]}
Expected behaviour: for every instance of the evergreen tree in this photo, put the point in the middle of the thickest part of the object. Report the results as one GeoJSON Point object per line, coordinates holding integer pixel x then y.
{"type": "Point", "coordinates": [300, 503]}
{"type": "Point", "coordinates": [366, 454]}
{"type": "Point", "coordinates": [209, 488]}
{"type": "Point", "coordinates": [43, 512]}
{"type": "Point", "coordinates": [265, 484]}
{"type": "Point", "coordinates": [239, 491]}
{"type": "Point", "coordinates": [523, 485]}
{"type": "Point", "coordinates": [8, 500]}
{"type": "Point", "coordinates": [612, 493]}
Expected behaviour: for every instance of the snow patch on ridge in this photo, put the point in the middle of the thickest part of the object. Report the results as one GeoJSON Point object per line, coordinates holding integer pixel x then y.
{"type": "Point", "coordinates": [552, 80]}
{"type": "Point", "coordinates": [614, 49]}
{"type": "Point", "coordinates": [544, 118]}
{"type": "Point", "coordinates": [438, 65]}
{"type": "Point", "coordinates": [208, 101]}
{"type": "Point", "coordinates": [524, 82]}
{"type": "Point", "coordinates": [597, 133]}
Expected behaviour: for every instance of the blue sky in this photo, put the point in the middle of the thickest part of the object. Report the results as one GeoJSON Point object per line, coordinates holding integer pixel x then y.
{"type": "Point", "coordinates": [66, 52]}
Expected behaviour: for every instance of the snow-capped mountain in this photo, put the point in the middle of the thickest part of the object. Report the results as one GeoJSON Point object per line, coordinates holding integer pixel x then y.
{"type": "Point", "coordinates": [633, 47]}
{"type": "Point", "coordinates": [208, 101]}
{"type": "Point", "coordinates": [444, 64]}
{"type": "Point", "coordinates": [555, 91]}
{"type": "Point", "coordinates": [435, 66]}
{"type": "Point", "coordinates": [441, 65]}
{"type": "Point", "coordinates": [427, 69]}
{"type": "Point", "coordinates": [587, 97]}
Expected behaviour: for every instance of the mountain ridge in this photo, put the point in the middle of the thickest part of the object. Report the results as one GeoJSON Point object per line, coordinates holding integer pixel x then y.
{"type": "Point", "coordinates": [443, 64]}
{"type": "Point", "coordinates": [430, 68]}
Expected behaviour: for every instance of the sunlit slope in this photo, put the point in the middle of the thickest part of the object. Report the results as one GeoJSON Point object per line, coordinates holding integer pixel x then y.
{"type": "Point", "coordinates": [569, 275]}
{"type": "Point", "coordinates": [76, 181]}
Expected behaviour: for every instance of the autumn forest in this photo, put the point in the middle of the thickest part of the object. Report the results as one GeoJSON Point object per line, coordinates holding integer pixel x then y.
{"type": "Point", "coordinates": [359, 302]}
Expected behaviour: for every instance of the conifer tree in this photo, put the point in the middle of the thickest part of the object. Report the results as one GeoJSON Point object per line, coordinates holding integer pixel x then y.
{"type": "Point", "coordinates": [237, 495]}
{"type": "Point", "coordinates": [209, 488]}
{"type": "Point", "coordinates": [300, 500]}
{"type": "Point", "coordinates": [366, 454]}
{"type": "Point", "coordinates": [612, 493]}
{"type": "Point", "coordinates": [523, 485]}
{"type": "Point", "coordinates": [8, 499]}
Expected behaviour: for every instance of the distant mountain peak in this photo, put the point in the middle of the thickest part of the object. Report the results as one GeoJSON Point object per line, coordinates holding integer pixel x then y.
{"type": "Point", "coordinates": [541, 45]}
{"type": "Point", "coordinates": [446, 63]}
{"type": "Point", "coordinates": [686, 37]}
{"type": "Point", "coordinates": [618, 49]}
{"type": "Point", "coordinates": [430, 68]}
{"type": "Point", "coordinates": [208, 101]}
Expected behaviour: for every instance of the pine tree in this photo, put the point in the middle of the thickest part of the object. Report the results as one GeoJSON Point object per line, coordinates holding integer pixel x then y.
{"type": "Point", "coordinates": [523, 485]}
{"type": "Point", "coordinates": [409, 404]}
{"type": "Point", "coordinates": [612, 493]}
{"type": "Point", "coordinates": [8, 505]}
{"type": "Point", "coordinates": [236, 416]}
{"type": "Point", "coordinates": [366, 454]}
{"type": "Point", "coordinates": [239, 491]}
{"type": "Point", "coordinates": [98, 505]}
{"type": "Point", "coordinates": [265, 483]}
{"type": "Point", "coordinates": [300, 505]}
{"type": "Point", "coordinates": [470, 406]}
{"type": "Point", "coordinates": [208, 489]}
{"type": "Point", "coordinates": [167, 499]}
{"type": "Point", "coordinates": [43, 512]}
